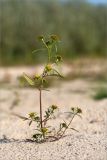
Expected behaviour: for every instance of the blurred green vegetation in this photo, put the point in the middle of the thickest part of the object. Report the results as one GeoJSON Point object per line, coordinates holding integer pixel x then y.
{"type": "Point", "coordinates": [80, 25]}
{"type": "Point", "coordinates": [101, 93]}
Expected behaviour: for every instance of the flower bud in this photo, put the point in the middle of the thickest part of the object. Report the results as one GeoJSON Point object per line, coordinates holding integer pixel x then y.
{"type": "Point", "coordinates": [48, 67]}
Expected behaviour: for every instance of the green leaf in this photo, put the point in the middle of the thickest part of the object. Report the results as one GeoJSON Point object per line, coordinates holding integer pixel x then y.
{"type": "Point", "coordinates": [32, 114]}
{"type": "Point", "coordinates": [55, 38]}
{"type": "Point", "coordinates": [73, 109]}
{"type": "Point", "coordinates": [79, 116]}
{"type": "Point", "coordinates": [49, 44]}
{"type": "Point", "coordinates": [79, 110]}
{"type": "Point", "coordinates": [29, 79]}
{"type": "Point", "coordinates": [37, 136]}
{"type": "Point", "coordinates": [41, 37]}
{"type": "Point", "coordinates": [30, 123]}
{"type": "Point", "coordinates": [37, 119]}
{"type": "Point", "coordinates": [58, 74]}
{"type": "Point", "coordinates": [37, 77]}
{"type": "Point", "coordinates": [44, 130]}
{"type": "Point", "coordinates": [19, 116]}
{"type": "Point", "coordinates": [38, 50]}
{"type": "Point", "coordinates": [58, 58]}
{"type": "Point", "coordinates": [74, 129]}
{"type": "Point", "coordinates": [63, 125]}
{"type": "Point", "coordinates": [54, 107]}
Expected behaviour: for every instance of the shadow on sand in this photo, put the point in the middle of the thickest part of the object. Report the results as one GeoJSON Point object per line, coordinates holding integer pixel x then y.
{"type": "Point", "coordinates": [12, 140]}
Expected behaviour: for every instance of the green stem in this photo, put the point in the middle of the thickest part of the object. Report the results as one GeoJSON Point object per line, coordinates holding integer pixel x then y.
{"type": "Point", "coordinates": [49, 50]}
{"type": "Point", "coordinates": [49, 55]}
{"type": "Point", "coordinates": [44, 43]}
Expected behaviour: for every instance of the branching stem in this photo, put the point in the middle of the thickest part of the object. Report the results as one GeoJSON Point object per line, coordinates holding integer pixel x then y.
{"type": "Point", "coordinates": [68, 125]}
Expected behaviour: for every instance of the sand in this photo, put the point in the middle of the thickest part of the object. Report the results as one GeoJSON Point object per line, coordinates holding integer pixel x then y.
{"type": "Point", "coordinates": [90, 143]}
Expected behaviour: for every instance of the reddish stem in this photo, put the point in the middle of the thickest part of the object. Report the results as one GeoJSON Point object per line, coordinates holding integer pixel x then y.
{"type": "Point", "coordinates": [40, 101]}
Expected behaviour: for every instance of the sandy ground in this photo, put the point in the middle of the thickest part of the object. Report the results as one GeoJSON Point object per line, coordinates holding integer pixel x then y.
{"type": "Point", "coordinates": [82, 67]}
{"type": "Point", "coordinates": [90, 143]}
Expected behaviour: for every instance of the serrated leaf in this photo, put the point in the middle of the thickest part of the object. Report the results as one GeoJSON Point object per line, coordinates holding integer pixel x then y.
{"type": "Point", "coordinates": [29, 79]}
